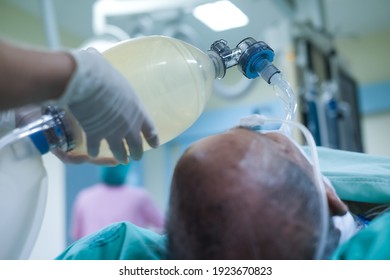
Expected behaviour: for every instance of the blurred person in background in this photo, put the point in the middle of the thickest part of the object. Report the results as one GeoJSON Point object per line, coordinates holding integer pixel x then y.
{"type": "Point", "coordinates": [113, 200]}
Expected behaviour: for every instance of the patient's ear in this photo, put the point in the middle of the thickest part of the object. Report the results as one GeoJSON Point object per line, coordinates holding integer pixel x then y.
{"type": "Point", "coordinates": [336, 206]}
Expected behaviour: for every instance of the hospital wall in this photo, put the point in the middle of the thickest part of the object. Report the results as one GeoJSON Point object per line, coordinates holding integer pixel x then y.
{"type": "Point", "coordinates": [368, 60]}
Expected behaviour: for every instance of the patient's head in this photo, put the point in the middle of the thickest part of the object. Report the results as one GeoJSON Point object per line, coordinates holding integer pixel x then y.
{"type": "Point", "coordinates": [245, 195]}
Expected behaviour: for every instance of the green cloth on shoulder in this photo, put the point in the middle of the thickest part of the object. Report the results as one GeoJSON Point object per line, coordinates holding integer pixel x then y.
{"type": "Point", "coordinates": [357, 176]}
{"type": "Point", "coordinates": [371, 243]}
{"type": "Point", "coordinates": [119, 241]}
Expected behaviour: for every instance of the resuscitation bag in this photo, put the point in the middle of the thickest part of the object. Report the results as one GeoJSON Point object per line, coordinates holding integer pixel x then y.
{"type": "Point", "coordinates": [23, 193]}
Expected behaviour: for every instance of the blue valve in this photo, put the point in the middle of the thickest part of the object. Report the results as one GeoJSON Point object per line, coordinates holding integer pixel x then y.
{"type": "Point", "coordinates": [253, 58]}
{"type": "Point", "coordinates": [256, 56]}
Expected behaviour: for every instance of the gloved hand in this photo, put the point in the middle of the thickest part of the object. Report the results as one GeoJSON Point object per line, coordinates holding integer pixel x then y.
{"type": "Point", "coordinates": [106, 106]}
{"type": "Point", "coordinates": [26, 114]}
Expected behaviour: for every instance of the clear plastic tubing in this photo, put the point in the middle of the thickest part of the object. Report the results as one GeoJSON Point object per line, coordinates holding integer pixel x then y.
{"type": "Point", "coordinates": [18, 133]}
{"type": "Point", "coordinates": [286, 94]}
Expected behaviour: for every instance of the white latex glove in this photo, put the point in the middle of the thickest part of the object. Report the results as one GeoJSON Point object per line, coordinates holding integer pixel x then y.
{"type": "Point", "coordinates": [106, 106]}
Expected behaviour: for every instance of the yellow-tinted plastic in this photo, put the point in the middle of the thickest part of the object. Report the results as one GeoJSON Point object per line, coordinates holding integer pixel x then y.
{"type": "Point", "coordinates": [173, 79]}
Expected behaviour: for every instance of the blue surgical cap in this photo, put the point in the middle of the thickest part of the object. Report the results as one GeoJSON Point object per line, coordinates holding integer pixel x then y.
{"type": "Point", "coordinates": [115, 175]}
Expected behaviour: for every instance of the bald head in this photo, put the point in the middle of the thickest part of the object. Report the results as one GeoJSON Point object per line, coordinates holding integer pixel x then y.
{"type": "Point", "coordinates": [243, 195]}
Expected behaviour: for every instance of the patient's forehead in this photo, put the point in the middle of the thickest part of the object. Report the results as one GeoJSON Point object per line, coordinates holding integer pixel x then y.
{"type": "Point", "coordinates": [238, 136]}
{"type": "Point", "coordinates": [240, 141]}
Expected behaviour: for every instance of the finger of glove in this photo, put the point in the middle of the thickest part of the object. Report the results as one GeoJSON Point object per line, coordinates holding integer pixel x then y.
{"type": "Point", "coordinates": [150, 133]}
{"type": "Point", "coordinates": [93, 145]}
{"type": "Point", "coordinates": [134, 143]}
{"type": "Point", "coordinates": [118, 149]}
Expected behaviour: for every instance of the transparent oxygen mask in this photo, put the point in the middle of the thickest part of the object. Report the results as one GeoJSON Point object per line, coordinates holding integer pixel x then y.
{"type": "Point", "coordinates": [302, 135]}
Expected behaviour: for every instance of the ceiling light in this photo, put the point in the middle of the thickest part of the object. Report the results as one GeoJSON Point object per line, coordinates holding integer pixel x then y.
{"type": "Point", "coordinates": [221, 15]}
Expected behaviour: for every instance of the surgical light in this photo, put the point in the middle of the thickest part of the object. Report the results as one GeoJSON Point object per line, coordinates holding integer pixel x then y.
{"type": "Point", "coordinates": [221, 15]}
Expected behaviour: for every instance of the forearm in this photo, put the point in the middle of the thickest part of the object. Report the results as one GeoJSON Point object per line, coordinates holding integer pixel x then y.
{"type": "Point", "coordinates": [30, 76]}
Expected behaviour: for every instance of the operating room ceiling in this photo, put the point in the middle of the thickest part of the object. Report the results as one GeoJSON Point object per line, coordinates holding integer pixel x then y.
{"type": "Point", "coordinates": [340, 18]}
